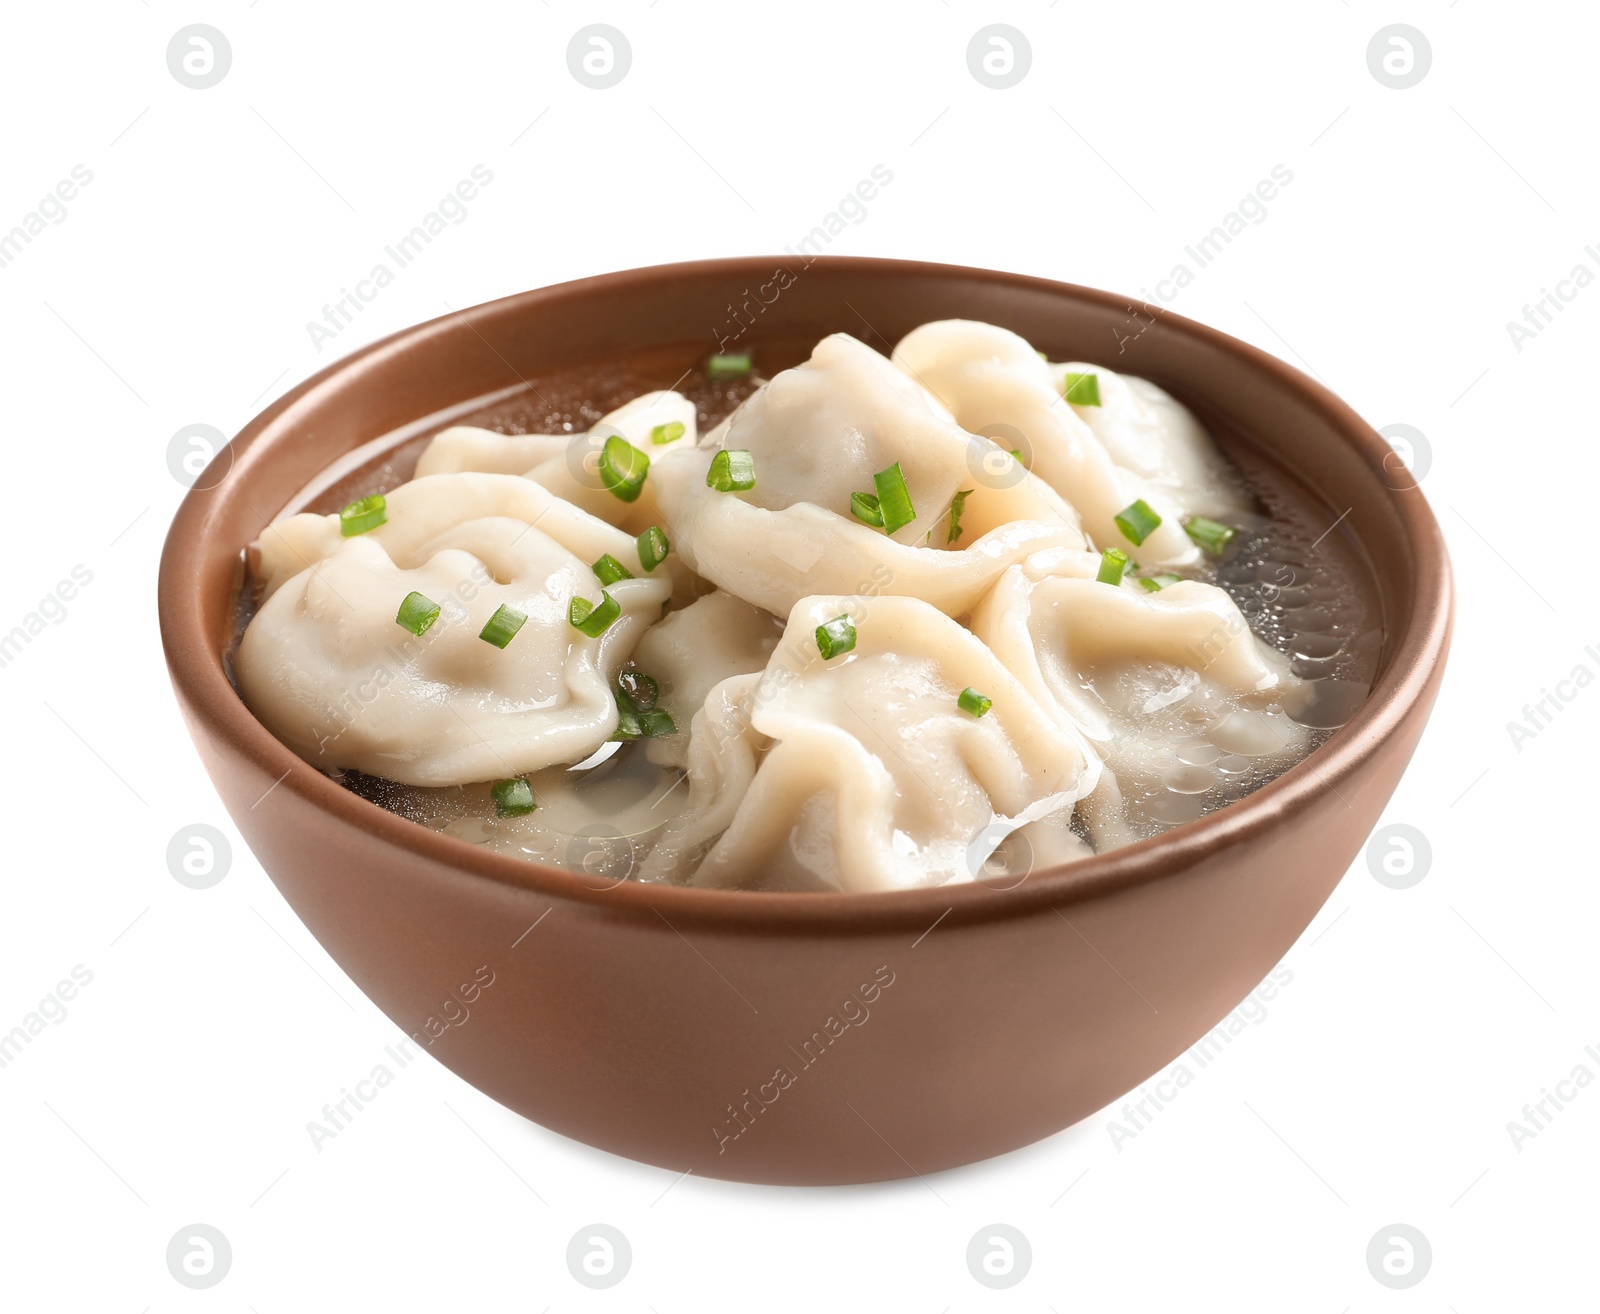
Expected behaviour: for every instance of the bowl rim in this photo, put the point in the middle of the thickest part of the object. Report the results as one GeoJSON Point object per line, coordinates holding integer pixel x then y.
{"type": "Point", "coordinates": [1417, 642]}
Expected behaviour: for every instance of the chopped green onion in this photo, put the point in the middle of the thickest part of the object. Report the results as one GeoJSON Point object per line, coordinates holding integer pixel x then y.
{"type": "Point", "coordinates": [669, 432]}
{"type": "Point", "coordinates": [1082, 389]}
{"type": "Point", "coordinates": [417, 613]}
{"type": "Point", "coordinates": [1016, 455]}
{"type": "Point", "coordinates": [1155, 583]}
{"type": "Point", "coordinates": [623, 468]}
{"type": "Point", "coordinates": [608, 570]}
{"type": "Point", "coordinates": [638, 689]}
{"type": "Point", "coordinates": [894, 499]}
{"type": "Point", "coordinates": [1113, 561]}
{"type": "Point", "coordinates": [864, 507]}
{"type": "Point", "coordinates": [513, 798]}
{"type": "Point", "coordinates": [655, 723]}
{"type": "Point", "coordinates": [1137, 522]}
{"type": "Point", "coordinates": [958, 502]}
{"type": "Point", "coordinates": [973, 701]}
{"type": "Point", "coordinates": [592, 620]}
{"type": "Point", "coordinates": [731, 472]}
{"type": "Point", "coordinates": [653, 547]}
{"type": "Point", "coordinates": [503, 626]}
{"type": "Point", "coordinates": [729, 365]}
{"type": "Point", "coordinates": [1209, 534]}
{"type": "Point", "coordinates": [358, 517]}
{"type": "Point", "coordinates": [627, 723]}
{"type": "Point", "coordinates": [835, 637]}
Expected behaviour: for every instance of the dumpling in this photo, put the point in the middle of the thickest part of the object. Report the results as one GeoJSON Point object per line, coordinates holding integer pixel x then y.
{"type": "Point", "coordinates": [1177, 695]}
{"type": "Point", "coordinates": [817, 435]}
{"type": "Point", "coordinates": [1146, 430]}
{"type": "Point", "coordinates": [863, 771]}
{"type": "Point", "coordinates": [689, 651]}
{"type": "Point", "coordinates": [995, 384]}
{"type": "Point", "coordinates": [325, 665]}
{"type": "Point", "coordinates": [568, 464]}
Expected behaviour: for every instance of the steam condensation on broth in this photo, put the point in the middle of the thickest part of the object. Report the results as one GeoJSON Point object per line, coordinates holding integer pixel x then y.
{"type": "Point", "coordinates": [1177, 742]}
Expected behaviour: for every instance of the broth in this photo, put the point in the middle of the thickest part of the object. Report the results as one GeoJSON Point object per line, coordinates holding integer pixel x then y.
{"type": "Point", "coordinates": [1295, 573]}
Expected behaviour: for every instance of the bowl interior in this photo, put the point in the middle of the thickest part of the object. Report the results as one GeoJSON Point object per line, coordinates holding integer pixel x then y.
{"type": "Point", "coordinates": [416, 381]}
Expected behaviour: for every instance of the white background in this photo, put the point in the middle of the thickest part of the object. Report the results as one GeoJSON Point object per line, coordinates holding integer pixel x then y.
{"type": "Point", "coordinates": [1378, 1086]}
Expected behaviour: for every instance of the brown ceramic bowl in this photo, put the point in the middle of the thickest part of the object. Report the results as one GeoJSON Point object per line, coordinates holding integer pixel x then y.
{"type": "Point", "coordinates": [710, 1030]}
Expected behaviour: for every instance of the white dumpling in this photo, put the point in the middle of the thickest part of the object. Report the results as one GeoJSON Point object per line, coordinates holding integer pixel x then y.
{"type": "Point", "coordinates": [1148, 431]}
{"type": "Point", "coordinates": [327, 668]}
{"type": "Point", "coordinates": [819, 433]}
{"type": "Point", "coordinates": [568, 464]}
{"type": "Point", "coordinates": [994, 383]}
{"type": "Point", "coordinates": [1176, 693]}
{"type": "Point", "coordinates": [689, 651]}
{"type": "Point", "coordinates": [862, 770]}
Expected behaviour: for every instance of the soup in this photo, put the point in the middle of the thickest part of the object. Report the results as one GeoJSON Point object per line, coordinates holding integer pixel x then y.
{"type": "Point", "coordinates": [809, 618]}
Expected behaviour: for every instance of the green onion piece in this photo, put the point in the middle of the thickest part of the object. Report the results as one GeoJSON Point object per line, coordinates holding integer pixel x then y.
{"type": "Point", "coordinates": [731, 472]}
{"type": "Point", "coordinates": [730, 365]}
{"type": "Point", "coordinates": [638, 689]}
{"type": "Point", "coordinates": [513, 798]}
{"type": "Point", "coordinates": [655, 723]}
{"type": "Point", "coordinates": [667, 433]}
{"type": "Point", "coordinates": [1155, 583]}
{"type": "Point", "coordinates": [503, 626]}
{"type": "Point", "coordinates": [1137, 522]}
{"type": "Point", "coordinates": [623, 468]}
{"type": "Point", "coordinates": [592, 620]}
{"type": "Point", "coordinates": [1209, 534]}
{"type": "Point", "coordinates": [1113, 561]}
{"type": "Point", "coordinates": [417, 613]}
{"type": "Point", "coordinates": [1082, 389]}
{"type": "Point", "coordinates": [608, 570]}
{"type": "Point", "coordinates": [1016, 455]}
{"type": "Point", "coordinates": [628, 726]}
{"type": "Point", "coordinates": [973, 701]}
{"type": "Point", "coordinates": [956, 504]}
{"type": "Point", "coordinates": [894, 499]}
{"type": "Point", "coordinates": [835, 637]}
{"type": "Point", "coordinates": [864, 507]}
{"type": "Point", "coordinates": [653, 547]}
{"type": "Point", "coordinates": [358, 517]}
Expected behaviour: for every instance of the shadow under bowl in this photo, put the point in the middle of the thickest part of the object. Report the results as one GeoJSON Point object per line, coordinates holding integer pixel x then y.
{"type": "Point", "coordinates": [804, 1038]}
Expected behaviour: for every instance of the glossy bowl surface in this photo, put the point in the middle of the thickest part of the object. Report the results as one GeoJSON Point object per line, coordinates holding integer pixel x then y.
{"type": "Point", "coordinates": [805, 1038]}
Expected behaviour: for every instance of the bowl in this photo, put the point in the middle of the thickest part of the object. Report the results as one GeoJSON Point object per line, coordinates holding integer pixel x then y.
{"type": "Point", "coordinates": [804, 1038]}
